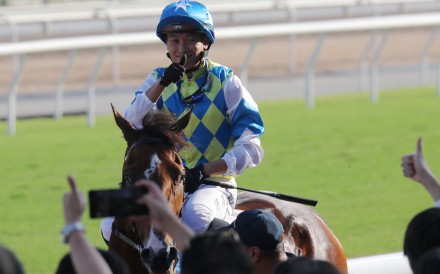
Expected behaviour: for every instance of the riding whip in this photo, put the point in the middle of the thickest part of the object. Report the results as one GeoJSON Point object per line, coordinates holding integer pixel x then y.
{"type": "Point", "coordinates": [280, 196]}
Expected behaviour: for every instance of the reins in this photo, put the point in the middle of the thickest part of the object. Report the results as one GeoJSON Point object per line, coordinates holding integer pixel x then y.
{"type": "Point", "coordinates": [127, 240]}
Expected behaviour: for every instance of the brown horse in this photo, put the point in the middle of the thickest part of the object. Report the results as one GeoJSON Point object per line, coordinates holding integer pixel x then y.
{"type": "Point", "coordinates": [152, 154]}
{"type": "Point", "coordinates": [306, 234]}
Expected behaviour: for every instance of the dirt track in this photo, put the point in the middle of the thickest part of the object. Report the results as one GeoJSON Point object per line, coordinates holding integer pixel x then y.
{"type": "Point", "coordinates": [271, 58]}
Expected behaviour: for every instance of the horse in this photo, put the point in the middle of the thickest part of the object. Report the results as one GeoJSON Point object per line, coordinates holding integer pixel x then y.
{"type": "Point", "coordinates": [305, 232]}
{"type": "Point", "coordinates": [151, 153]}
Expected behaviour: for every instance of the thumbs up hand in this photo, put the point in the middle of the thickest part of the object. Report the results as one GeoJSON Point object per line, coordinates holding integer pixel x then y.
{"type": "Point", "coordinates": [174, 72]}
{"type": "Point", "coordinates": [415, 167]}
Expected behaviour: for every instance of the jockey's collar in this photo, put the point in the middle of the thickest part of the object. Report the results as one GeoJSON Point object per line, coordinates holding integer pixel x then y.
{"type": "Point", "coordinates": [200, 65]}
{"type": "Point", "coordinates": [196, 71]}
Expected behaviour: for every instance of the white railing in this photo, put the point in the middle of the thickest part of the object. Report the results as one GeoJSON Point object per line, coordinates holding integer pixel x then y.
{"type": "Point", "coordinates": [392, 263]}
{"type": "Point", "coordinates": [254, 32]}
{"type": "Point", "coordinates": [82, 11]}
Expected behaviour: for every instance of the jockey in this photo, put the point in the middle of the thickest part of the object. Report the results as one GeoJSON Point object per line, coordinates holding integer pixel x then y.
{"type": "Point", "coordinates": [224, 130]}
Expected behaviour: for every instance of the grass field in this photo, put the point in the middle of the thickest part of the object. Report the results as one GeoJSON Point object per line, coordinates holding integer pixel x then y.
{"type": "Point", "coordinates": [345, 153]}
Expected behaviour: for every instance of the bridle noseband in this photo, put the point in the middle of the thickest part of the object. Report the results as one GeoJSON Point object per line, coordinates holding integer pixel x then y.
{"type": "Point", "coordinates": [127, 240]}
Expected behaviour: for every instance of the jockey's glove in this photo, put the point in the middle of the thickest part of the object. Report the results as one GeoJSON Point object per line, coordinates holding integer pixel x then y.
{"type": "Point", "coordinates": [173, 73]}
{"type": "Point", "coordinates": [194, 177]}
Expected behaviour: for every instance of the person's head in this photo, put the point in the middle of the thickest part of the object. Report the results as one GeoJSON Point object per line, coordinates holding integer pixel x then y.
{"type": "Point", "coordinates": [261, 232]}
{"type": "Point", "coordinates": [116, 264]}
{"type": "Point", "coordinates": [429, 263]}
{"type": "Point", "coordinates": [186, 27]}
{"type": "Point", "coordinates": [9, 263]}
{"type": "Point", "coordinates": [216, 253]}
{"type": "Point", "coordinates": [422, 234]}
{"type": "Point", "coordinates": [305, 265]}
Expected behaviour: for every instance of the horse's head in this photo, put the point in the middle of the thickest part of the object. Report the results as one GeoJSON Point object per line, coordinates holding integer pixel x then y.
{"type": "Point", "coordinates": [152, 153]}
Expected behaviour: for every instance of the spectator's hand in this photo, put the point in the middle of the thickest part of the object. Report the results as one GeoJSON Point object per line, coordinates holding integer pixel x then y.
{"type": "Point", "coordinates": [194, 178]}
{"type": "Point", "coordinates": [174, 72]}
{"type": "Point", "coordinates": [414, 165]}
{"type": "Point", "coordinates": [156, 202]}
{"type": "Point", "coordinates": [73, 203]}
{"type": "Point", "coordinates": [161, 216]}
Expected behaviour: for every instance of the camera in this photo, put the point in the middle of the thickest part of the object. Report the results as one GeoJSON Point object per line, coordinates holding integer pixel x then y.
{"type": "Point", "coordinates": [116, 202]}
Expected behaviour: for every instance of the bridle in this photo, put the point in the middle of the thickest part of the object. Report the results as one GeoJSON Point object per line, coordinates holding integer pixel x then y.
{"type": "Point", "coordinates": [147, 140]}
{"type": "Point", "coordinates": [138, 246]}
{"type": "Point", "coordinates": [137, 243]}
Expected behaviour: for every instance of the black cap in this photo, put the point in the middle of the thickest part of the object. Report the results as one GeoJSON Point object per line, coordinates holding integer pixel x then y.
{"type": "Point", "coordinates": [259, 228]}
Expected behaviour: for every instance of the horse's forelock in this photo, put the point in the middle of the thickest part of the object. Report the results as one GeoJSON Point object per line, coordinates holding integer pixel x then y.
{"type": "Point", "coordinates": [159, 124]}
{"type": "Point", "coordinates": [159, 120]}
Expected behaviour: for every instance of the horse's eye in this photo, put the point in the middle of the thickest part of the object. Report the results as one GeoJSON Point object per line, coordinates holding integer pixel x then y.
{"type": "Point", "coordinates": [127, 179]}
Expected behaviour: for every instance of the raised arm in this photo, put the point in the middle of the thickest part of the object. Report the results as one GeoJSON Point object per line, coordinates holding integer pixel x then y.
{"type": "Point", "coordinates": [85, 258]}
{"type": "Point", "coordinates": [415, 167]}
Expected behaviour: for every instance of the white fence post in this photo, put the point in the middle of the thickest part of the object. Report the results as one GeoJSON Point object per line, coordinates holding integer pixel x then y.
{"type": "Point", "coordinates": [12, 97]}
{"type": "Point", "coordinates": [424, 59]}
{"type": "Point", "coordinates": [374, 92]}
{"type": "Point", "coordinates": [310, 73]}
{"type": "Point", "coordinates": [59, 95]}
{"type": "Point", "coordinates": [244, 70]}
{"type": "Point", "coordinates": [91, 110]}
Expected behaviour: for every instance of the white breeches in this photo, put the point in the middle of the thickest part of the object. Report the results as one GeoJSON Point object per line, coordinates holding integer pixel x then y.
{"type": "Point", "coordinates": [207, 203]}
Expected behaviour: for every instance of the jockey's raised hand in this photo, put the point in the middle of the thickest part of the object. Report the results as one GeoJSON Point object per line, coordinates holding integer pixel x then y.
{"type": "Point", "coordinates": [415, 167]}
{"type": "Point", "coordinates": [174, 72]}
{"type": "Point", "coordinates": [194, 177]}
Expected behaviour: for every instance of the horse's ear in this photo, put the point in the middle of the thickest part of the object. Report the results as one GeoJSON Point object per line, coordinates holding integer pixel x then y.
{"type": "Point", "coordinates": [182, 122]}
{"type": "Point", "coordinates": [127, 129]}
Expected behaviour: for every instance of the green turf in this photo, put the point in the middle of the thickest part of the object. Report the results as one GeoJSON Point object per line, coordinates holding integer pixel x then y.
{"type": "Point", "coordinates": [345, 153]}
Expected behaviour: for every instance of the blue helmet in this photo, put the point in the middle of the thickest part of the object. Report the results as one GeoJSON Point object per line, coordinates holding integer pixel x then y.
{"type": "Point", "coordinates": [186, 12]}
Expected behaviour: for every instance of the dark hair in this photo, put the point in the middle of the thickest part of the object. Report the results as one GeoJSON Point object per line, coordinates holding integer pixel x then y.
{"type": "Point", "coordinates": [216, 253]}
{"type": "Point", "coordinates": [116, 264]}
{"type": "Point", "coordinates": [305, 265]}
{"type": "Point", "coordinates": [429, 263]}
{"type": "Point", "coordinates": [272, 254]}
{"type": "Point", "coordinates": [9, 263]}
{"type": "Point", "coordinates": [422, 234]}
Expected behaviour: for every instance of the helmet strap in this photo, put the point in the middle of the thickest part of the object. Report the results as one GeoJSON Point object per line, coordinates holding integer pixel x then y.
{"type": "Point", "coordinates": [200, 56]}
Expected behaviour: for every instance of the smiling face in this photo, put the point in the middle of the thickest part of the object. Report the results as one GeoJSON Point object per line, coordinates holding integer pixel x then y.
{"type": "Point", "coordinates": [189, 42]}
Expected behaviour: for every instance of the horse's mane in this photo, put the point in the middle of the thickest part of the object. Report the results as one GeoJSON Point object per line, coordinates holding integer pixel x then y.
{"type": "Point", "coordinates": [161, 124]}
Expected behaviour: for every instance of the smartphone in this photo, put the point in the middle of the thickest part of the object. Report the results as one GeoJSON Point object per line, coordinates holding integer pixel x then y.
{"type": "Point", "coordinates": [116, 202]}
